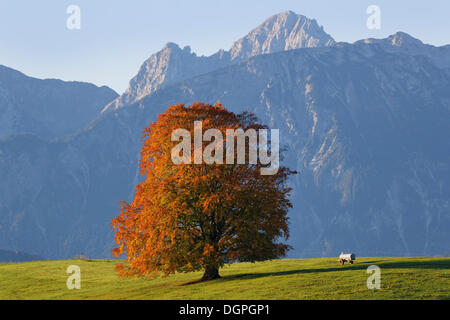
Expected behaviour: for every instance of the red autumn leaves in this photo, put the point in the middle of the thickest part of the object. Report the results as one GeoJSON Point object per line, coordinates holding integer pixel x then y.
{"type": "Point", "coordinates": [188, 217]}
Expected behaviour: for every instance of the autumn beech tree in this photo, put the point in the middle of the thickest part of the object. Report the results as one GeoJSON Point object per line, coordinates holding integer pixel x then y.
{"type": "Point", "coordinates": [190, 215]}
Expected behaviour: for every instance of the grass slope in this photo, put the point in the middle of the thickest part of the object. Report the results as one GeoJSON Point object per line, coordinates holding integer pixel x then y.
{"type": "Point", "coordinates": [324, 278]}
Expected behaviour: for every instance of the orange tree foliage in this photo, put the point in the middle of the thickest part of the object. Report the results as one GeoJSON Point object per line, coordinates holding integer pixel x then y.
{"type": "Point", "coordinates": [191, 217]}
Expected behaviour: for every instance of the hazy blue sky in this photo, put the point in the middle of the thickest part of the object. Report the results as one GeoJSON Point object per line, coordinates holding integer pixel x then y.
{"type": "Point", "coordinates": [117, 36]}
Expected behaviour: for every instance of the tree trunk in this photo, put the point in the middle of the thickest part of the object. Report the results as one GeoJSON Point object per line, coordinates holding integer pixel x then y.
{"type": "Point", "coordinates": [211, 273]}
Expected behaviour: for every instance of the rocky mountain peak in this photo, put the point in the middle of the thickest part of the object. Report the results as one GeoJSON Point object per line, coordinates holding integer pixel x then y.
{"type": "Point", "coordinates": [407, 44]}
{"type": "Point", "coordinates": [284, 31]}
{"type": "Point", "coordinates": [153, 73]}
{"type": "Point", "coordinates": [402, 38]}
{"type": "Point", "coordinates": [171, 45]}
{"type": "Point", "coordinates": [398, 39]}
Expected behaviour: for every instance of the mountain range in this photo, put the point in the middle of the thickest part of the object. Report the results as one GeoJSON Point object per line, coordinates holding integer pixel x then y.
{"type": "Point", "coordinates": [47, 108]}
{"type": "Point", "coordinates": [172, 64]}
{"type": "Point", "coordinates": [366, 125]}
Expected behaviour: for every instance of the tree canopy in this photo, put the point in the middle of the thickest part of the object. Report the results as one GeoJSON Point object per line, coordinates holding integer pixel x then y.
{"type": "Point", "coordinates": [199, 216]}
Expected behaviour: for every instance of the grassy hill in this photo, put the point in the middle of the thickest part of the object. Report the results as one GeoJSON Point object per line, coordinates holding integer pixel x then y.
{"type": "Point", "coordinates": [324, 278]}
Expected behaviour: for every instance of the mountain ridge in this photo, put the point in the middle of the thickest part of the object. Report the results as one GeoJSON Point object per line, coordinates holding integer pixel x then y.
{"type": "Point", "coordinates": [365, 125]}
{"type": "Point", "coordinates": [360, 124]}
{"type": "Point", "coordinates": [49, 108]}
{"type": "Point", "coordinates": [283, 31]}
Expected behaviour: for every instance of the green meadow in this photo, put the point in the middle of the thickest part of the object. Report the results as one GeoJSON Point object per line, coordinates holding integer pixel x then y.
{"type": "Point", "coordinates": [322, 278]}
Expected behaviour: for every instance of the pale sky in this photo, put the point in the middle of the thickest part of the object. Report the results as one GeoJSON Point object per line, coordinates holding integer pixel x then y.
{"type": "Point", "coordinates": [117, 36]}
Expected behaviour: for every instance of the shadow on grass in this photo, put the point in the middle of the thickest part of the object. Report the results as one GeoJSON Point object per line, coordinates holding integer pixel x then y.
{"type": "Point", "coordinates": [198, 281]}
{"type": "Point", "coordinates": [437, 264]}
